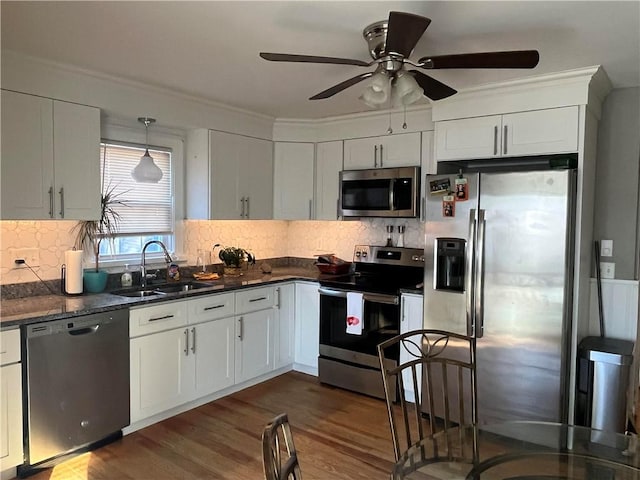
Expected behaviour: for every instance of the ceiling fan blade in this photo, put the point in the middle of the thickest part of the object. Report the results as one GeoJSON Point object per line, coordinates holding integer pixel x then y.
{"type": "Point", "coordinates": [434, 89]}
{"type": "Point", "coordinates": [404, 31]}
{"type": "Point", "coordinates": [329, 92]}
{"type": "Point", "coordinates": [513, 59]}
{"type": "Point", "coordinates": [286, 57]}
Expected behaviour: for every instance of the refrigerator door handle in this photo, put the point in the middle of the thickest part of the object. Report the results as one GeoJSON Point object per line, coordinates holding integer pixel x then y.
{"type": "Point", "coordinates": [470, 274]}
{"type": "Point", "coordinates": [479, 276]}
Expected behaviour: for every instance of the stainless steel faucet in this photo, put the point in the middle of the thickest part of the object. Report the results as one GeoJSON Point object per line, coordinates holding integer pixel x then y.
{"type": "Point", "coordinates": [143, 266]}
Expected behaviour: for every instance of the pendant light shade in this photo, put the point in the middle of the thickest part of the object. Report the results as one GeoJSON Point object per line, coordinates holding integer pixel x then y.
{"type": "Point", "coordinates": [377, 93]}
{"type": "Point", "coordinates": [406, 90]}
{"type": "Point", "coordinates": [146, 171]}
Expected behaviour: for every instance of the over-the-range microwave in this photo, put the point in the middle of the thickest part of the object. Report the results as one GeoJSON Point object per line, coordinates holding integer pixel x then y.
{"type": "Point", "coordinates": [380, 192]}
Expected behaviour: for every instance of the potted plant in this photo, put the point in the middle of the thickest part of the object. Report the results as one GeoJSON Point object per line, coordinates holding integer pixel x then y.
{"type": "Point", "coordinates": [90, 233]}
{"type": "Point", "coordinates": [233, 258]}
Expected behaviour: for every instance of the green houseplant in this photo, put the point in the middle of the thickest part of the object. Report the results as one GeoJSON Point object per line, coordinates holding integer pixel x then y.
{"type": "Point", "coordinates": [91, 233]}
{"type": "Point", "coordinates": [233, 258]}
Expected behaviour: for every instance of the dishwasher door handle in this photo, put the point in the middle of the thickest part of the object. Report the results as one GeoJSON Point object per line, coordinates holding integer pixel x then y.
{"type": "Point", "coordinates": [84, 331]}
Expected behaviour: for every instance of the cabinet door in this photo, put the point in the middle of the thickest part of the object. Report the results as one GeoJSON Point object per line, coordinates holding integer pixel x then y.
{"type": "Point", "coordinates": [412, 309]}
{"type": "Point", "coordinates": [162, 372]}
{"type": "Point", "coordinates": [328, 167]}
{"type": "Point", "coordinates": [27, 157]}
{"type": "Point", "coordinates": [284, 347]}
{"type": "Point", "coordinates": [254, 344]}
{"type": "Point", "coordinates": [227, 153]}
{"type": "Point", "coordinates": [293, 181]}
{"type": "Point", "coordinates": [307, 329]}
{"type": "Point", "coordinates": [468, 138]}
{"type": "Point", "coordinates": [361, 153]}
{"type": "Point", "coordinates": [401, 150]}
{"type": "Point", "coordinates": [11, 416]}
{"type": "Point", "coordinates": [76, 153]}
{"type": "Point", "coordinates": [257, 175]}
{"type": "Point", "coordinates": [541, 131]}
{"type": "Point", "coordinates": [213, 345]}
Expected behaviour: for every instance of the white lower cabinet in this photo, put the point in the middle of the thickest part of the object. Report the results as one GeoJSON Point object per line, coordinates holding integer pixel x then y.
{"type": "Point", "coordinates": [185, 350]}
{"type": "Point", "coordinates": [412, 309]}
{"type": "Point", "coordinates": [307, 328]}
{"type": "Point", "coordinates": [161, 373]}
{"type": "Point", "coordinates": [11, 453]}
{"type": "Point", "coordinates": [284, 348]}
{"type": "Point", "coordinates": [254, 344]}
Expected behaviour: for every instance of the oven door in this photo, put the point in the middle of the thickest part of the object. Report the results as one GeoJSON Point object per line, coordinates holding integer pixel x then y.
{"type": "Point", "coordinates": [381, 320]}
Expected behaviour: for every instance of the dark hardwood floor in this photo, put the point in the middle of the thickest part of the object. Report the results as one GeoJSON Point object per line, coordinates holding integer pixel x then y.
{"type": "Point", "coordinates": [338, 435]}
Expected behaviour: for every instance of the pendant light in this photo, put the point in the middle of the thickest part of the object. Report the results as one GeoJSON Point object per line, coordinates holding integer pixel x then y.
{"type": "Point", "coordinates": [146, 171]}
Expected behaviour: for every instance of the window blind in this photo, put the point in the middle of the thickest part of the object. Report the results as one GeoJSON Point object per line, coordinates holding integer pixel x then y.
{"type": "Point", "coordinates": [148, 206]}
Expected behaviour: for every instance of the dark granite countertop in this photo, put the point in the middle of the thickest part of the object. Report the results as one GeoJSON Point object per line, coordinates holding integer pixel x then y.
{"type": "Point", "coordinates": [35, 309]}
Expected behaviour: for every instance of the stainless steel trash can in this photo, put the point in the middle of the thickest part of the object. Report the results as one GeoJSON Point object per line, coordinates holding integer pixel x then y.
{"type": "Point", "coordinates": [603, 379]}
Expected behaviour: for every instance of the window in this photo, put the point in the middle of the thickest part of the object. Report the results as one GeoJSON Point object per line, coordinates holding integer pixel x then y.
{"type": "Point", "coordinates": [148, 210]}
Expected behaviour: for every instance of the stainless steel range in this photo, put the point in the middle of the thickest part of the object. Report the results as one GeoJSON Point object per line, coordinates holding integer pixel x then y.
{"type": "Point", "coordinates": [348, 357]}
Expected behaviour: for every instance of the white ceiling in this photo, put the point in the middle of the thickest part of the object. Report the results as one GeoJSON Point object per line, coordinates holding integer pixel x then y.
{"type": "Point", "coordinates": [210, 49]}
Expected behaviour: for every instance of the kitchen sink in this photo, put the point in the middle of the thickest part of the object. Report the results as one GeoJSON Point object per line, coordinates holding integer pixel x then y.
{"type": "Point", "coordinates": [162, 289]}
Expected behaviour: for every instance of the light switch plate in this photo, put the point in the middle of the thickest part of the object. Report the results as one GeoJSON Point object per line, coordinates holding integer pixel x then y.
{"type": "Point", "coordinates": [606, 248]}
{"type": "Point", "coordinates": [607, 270]}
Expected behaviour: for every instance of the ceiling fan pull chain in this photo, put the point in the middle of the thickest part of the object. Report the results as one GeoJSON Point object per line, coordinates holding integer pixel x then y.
{"type": "Point", "coordinates": [404, 124]}
{"type": "Point", "coordinates": [390, 130]}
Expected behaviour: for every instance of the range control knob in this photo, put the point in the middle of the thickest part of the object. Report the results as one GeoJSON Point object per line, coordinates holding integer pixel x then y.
{"type": "Point", "coordinates": [357, 253]}
{"type": "Point", "coordinates": [415, 258]}
{"type": "Point", "coordinates": [364, 254]}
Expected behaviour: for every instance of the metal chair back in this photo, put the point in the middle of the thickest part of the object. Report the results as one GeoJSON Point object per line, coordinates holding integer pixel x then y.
{"type": "Point", "coordinates": [279, 456]}
{"type": "Point", "coordinates": [431, 390]}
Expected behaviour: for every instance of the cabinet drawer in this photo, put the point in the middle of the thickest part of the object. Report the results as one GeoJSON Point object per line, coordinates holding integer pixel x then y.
{"type": "Point", "coordinates": [211, 307]}
{"type": "Point", "coordinates": [156, 318]}
{"type": "Point", "coordinates": [9, 346]}
{"type": "Point", "coordinates": [255, 299]}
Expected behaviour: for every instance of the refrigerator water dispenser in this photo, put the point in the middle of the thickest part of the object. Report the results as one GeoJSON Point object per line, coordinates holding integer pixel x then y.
{"type": "Point", "coordinates": [450, 264]}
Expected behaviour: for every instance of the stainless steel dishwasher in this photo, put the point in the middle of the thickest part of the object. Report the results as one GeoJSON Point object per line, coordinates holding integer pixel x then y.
{"type": "Point", "coordinates": [77, 394]}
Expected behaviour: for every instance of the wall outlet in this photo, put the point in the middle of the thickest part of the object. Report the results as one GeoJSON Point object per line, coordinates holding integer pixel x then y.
{"type": "Point", "coordinates": [606, 248]}
{"type": "Point", "coordinates": [29, 255]}
{"type": "Point", "coordinates": [607, 270]}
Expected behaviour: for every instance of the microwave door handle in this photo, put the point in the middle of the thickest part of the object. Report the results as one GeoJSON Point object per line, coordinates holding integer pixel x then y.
{"type": "Point", "coordinates": [392, 186]}
{"type": "Point", "coordinates": [469, 283]}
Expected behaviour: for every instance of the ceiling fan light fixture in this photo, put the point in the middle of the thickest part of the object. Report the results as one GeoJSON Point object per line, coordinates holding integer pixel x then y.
{"type": "Point", "coordinates": [406, 90]}
{"type": "Point", "coordinates": [377, 92]}
{"type": "Point", "coordinates": [146, 171]}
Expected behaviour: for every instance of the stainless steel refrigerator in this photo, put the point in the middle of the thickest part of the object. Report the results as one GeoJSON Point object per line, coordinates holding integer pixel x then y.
{"type": "Point", "coordinates": [498, 266]}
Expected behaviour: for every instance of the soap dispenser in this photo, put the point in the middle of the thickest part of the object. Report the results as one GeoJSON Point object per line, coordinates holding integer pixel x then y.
{"type": "Point", "coordinates": [126, 279]}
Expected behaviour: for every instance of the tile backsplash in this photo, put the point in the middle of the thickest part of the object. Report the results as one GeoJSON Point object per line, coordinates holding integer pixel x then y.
{"type": "Point", "coordinates": [265, 238]}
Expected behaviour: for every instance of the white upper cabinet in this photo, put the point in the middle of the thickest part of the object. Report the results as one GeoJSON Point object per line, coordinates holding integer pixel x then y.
{"type": "Point", "coordinates": [229, 176]}
{"type": "Point", "coordinates": [50, 159]}
{"type": "Point", "coordinates": [293, 181]}
{"type": "Point", "coordinates": [400, 150]}
{"type": "Point", "coordinates": [328, 167]}
{"type": "Point", "coordinates": [535, 132]}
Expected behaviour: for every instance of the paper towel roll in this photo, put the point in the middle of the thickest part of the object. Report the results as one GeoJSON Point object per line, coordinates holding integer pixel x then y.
{"type": "Point", "coordinates": [73, 280]}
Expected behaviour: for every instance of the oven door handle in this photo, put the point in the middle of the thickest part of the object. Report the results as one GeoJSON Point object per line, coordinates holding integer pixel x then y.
{"type": "Point", "coordinates": [367, 297]}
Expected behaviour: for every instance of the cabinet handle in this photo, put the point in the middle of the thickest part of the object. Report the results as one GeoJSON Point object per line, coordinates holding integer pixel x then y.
{"type": "Point", "coordinates": [375, 155]}
{"type": "Point", "coordinates": [278, 298]}
{"type": "Point", "coordinates": [257, 299]}
{"type": "Point", "coordinates": [155, 319]}
{"type": "Point", "coordinates": [246, 202]}
{"type": "Point", "coordinates": [61, 202]}
{"type": "Point", "coordinates": [504, 140]}
{"type": "Point", "coordinates": [310, 208]}
{"type": "Point", "coordinates": [51, 202]}
{"type": "Point", "coordinates": [381, 155]}
{"type": "Point", "coordinates": [242, 207]}
{"type": "Point", "coordinates": [193, 343]}
{"type": "Point", "coordinates": [186, 342]}
{"type": "Point", "coordinates": [495, 140]}
{"type": "Point", "coordinates": [337, 208]}
{"type": "Point", "coordinates": [240, 329]}
{"type": "Point", "coordinates": [213, 307]}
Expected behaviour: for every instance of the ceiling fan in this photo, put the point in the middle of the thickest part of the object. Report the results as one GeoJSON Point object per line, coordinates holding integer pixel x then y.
{"type": "Point", "coordinates": [390, 44]}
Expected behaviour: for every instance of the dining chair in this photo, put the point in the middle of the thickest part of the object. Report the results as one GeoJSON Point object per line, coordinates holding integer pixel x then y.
{"type": "Point", "coordinates": [279, 456]}
{"type": "Point", "coordinates": [430, 392]}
